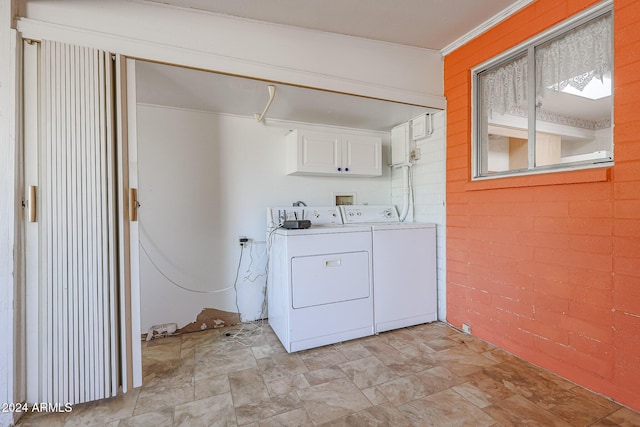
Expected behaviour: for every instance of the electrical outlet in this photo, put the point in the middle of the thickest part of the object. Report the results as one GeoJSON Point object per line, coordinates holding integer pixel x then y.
{"type": "Point", "coordinates": [415, 154]}
{"type": "Point", "coordinates": [243, 240]}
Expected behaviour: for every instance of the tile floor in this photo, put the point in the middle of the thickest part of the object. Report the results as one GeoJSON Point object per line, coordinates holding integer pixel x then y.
{"type": "Point", "coordinates": [426, 375]}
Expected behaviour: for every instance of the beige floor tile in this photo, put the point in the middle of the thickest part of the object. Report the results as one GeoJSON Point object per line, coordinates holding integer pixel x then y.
{"type": "Point", "coordinates": [353, 350]}
{"type": "Point", "coordinates": [42, 420]}
{"type": "Point", "coordinates": [335, 399]}
{"type": "Point", "coordinates": [320, 376]}
{"type": "Point", "coordinates": [375, 396]}
{"type": "Point", "coordinates": [220, 346]}
{"type": "Point", "coordinates": [287, 384]}
{"type": "Point", "coordinates": [625, 418]}
{"type": "Point", "coordinates": [490, 384]}
{"type": "Point", "coordinates": [528, 382]}
{"type": "Point", "coordinates": [209, 412]}
{"type": "Point", "coordinates": [281, 366]}
{"type": "Point", "coordinates": [439, 378]}
{"type": "Point", "coordinates": [445, 409]}
{"type": "Point", "coordinates": [430, 331]}
{"type": "Point", "coordinates": [162, 418]}
{"type": "Point", "coordinates": [193, 340]}
{"type": "Point", "coordinates": [212, 364]}
{"type": "Point", "coordinates": [367, 372]}
{"type": "Point", "coordinates": [211, 386]}
{"type": "Point", "coordinates": [268, 408]}
{"type": "Point", "coordinates": [594, 398]}
{"type": "Point", "coordinates": [405, 389]}
{"type": "Point", "coordinates": [295, 418]}
{"type": "Point", "coordinates": [386, 353]}
{"type": "Point", "coordinates": [413, 349]}
{"type": "Point", "coordinates": [378, 416]}
{"type": "Point", "coordinates": [169, 372]}
{"type": "Point", "coordinates": [168, 348]}
{"type": "Point", "coordinates": [164, 396]}
{"type": "Point", "coordinates": [267, 350]}
{"type": "Point", "coordinates": [402, 338]}
{"type": "Point", "coordinates": [473, 343]}
{"type": "Point", "coordinates": [412, 364]}
{"type": "Point", "coordinates": [516, 410]}
{"type": "Point", "coordinates": [583, 410]}
{"type": "Point", "coordinates": [103, 411]}
{"type": "Point", "coordinates": [247, 386]}
{"type": "Point", "coordinates": [462, 360]}
{"type": "Point", "coordinates": [323, 357]}
{"type": "Point", "coordinates": [474, 395]}
{"type": "Point", "coordinates": [441, 343]}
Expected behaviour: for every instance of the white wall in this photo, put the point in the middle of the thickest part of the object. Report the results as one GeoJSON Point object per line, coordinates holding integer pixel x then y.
{"type": "Point", "coordinates": [429, 188]}
{"type": "Point", "coordinates": [206, 179]}
{"type": "Point", "coordinates": [498, 156]}
{"type": "Point", "coordinates": [601, 141]}
{"type": "Point", "coordinates": [243, 47]}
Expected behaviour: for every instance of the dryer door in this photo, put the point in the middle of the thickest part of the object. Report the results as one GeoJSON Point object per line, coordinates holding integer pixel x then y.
{"type": "Point", "coordinates": [330, 278]}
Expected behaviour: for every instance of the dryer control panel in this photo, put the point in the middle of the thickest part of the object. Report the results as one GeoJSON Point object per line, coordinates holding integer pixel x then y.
{"type": "Point", "coordinates": [362, 214]}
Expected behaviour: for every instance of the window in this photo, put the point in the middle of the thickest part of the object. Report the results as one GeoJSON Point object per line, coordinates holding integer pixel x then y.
{"type": "Point", "coordinates": [548, 104]}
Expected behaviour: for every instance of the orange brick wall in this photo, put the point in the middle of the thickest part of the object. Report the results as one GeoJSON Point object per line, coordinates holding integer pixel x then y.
{"type": "Point", "coordinates": [548, 266]}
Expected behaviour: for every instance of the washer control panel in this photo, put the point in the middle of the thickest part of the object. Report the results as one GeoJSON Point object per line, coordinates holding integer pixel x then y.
{"type": "Point", "coordinates": [360, 214]}
{"type": "Point", "coordinates": [318, 215]}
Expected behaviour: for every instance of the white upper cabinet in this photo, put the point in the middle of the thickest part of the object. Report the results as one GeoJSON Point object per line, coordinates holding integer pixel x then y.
{"type": "Point", "coordinates": [331, 154]}
{"type": "Point", "coordinates": [362, 155]}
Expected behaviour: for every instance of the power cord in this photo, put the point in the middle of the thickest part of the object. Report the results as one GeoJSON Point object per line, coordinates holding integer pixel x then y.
{"type": "Point", "coordinates": [173, 282]}
{"type": "Point", "coordinates": [249, 332]}
{"type": "Point", "coordinates": [235, 281]}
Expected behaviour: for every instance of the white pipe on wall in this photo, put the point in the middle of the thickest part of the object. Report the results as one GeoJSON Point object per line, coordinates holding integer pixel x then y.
{"type": "Point", "coordinates": [406, 190]}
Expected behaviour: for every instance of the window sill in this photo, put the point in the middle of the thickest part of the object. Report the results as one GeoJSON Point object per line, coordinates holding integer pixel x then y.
{"type": "Point", "coordinates": [598, 174]}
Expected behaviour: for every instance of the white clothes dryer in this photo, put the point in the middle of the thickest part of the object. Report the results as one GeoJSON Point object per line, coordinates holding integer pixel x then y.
{"type": "Point", "coordinates": [319, 285]}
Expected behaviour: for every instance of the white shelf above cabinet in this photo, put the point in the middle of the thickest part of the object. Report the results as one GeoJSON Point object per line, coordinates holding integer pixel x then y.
{"type": "Point", "coordinates": [333, 154]}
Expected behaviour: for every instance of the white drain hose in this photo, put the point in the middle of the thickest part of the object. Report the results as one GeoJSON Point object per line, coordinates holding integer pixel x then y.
{"type": "Point", "coordinates": [406, 190]}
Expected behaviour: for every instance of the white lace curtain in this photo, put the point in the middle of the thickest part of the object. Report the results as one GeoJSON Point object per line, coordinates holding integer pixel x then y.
{"type": "Point", "coordinates": [573, 59]}
{"type": "Point", "coordinates": [576, 58]}
{"type": "Point", "coordinates": [505, 88]}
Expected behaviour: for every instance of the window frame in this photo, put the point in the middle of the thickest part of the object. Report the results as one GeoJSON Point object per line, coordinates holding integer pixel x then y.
{"type": "Point", "coordinates": [528, 48]}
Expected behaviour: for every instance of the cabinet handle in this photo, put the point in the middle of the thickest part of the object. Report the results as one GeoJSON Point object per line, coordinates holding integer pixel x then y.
{"type": "Point", "coordinates": [346, 169]}
{"type": "Point", "coordinates": [339, 169]}
{"type": "Point", "coordinates": [332, 262]}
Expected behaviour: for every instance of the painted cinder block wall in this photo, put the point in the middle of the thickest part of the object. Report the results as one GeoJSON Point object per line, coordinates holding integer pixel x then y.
{"type": "Point", "coordinates": [548, 266]}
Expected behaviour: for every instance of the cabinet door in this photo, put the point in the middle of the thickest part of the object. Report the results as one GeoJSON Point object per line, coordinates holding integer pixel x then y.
{"type": "Point", "coordinates": [318, 153]}
{"type": "Point", "coordinates": [362, 155]}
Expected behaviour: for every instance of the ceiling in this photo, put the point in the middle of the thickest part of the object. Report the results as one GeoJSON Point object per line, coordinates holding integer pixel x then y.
{"type": "Point", "coordinates": [207, 91]}
{"type": "Point", "coordinates": [431, 24]}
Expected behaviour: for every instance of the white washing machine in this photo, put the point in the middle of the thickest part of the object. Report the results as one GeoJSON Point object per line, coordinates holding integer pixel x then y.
{"type": "Point", "coordinates": [404, 266]}
{"type": "Point", "coordinates": [320, 279]}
